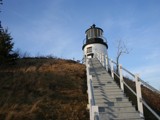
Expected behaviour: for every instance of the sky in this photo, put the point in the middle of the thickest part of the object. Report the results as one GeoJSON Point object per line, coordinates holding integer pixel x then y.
{"type": "Point", "coordinates": [57, 27]}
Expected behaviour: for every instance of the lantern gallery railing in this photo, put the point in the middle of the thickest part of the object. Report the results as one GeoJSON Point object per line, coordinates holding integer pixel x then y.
{"type": "Point", "coordinates": [111, 66]}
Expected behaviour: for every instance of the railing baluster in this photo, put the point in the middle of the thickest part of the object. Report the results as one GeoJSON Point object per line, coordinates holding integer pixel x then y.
{"type": "Point", "coordinates": [101, 57]}
{"type": "Point", "coordinates": [112, 70]}
{"type": "Point", "coordinates": [106, 60]}
{"type": "Point", "coordinates": [95, 113]}
{"type": "Point", "coordinates": [139, 94]}
{"type": "Point", "coordinates": [103, 60]}
{"type": "Point", "coordinates": [121, 77]}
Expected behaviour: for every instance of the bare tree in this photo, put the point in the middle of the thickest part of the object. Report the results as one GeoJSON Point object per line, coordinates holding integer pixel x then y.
{"type": "Point", "coordinates": [121, 49]}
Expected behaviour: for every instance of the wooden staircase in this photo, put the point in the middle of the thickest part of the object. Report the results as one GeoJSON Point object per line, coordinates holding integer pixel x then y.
{"type": "Point", "coordinates": [110, 99]}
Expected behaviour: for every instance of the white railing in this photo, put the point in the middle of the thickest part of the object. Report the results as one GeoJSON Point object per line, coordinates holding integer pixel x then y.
{"type": "Point", "coordinates": [109, 65]}
{"type": "Point", "coordinates": [93, 109]}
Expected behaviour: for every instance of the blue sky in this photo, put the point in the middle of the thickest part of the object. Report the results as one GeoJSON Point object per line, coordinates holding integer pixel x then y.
{"type": "Point", "coordinates": [57, 27]}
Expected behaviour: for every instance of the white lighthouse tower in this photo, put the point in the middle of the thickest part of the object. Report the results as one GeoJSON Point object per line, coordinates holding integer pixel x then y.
{"type": "Point", "coordinates": [95, 44]}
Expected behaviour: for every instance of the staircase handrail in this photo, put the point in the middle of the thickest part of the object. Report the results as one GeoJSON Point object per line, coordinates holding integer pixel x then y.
{"type": "Point", "coordinates": [142, 81]}
{"type": "Point", "coordinates": [128, 72]}
{"type": "Point", "coordinates": [143, 101]}
{"type": "Point", "coordinates": [138, 79]}
{"type": "Point", "coordinates": [94, 114]}
{"type": "Point", "coordinates": [92, 94]}
{"type": "Point", "coordinates": [149, 86]}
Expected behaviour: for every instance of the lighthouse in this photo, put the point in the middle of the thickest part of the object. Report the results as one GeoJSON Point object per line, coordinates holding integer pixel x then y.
{"type": "Point", "coordinates": [94, 44]}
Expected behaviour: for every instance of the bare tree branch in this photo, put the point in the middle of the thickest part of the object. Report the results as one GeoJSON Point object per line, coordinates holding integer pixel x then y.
{"type": "Point", "coordinates": [121, 49]}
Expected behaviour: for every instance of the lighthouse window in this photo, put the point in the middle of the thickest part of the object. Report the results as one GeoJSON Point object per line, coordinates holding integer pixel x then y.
{"type": "Point", "coordinates": [89, 49]}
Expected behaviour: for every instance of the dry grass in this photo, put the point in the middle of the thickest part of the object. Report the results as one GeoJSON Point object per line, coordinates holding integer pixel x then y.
{"type": "Point", "coordinates": [43, 89]}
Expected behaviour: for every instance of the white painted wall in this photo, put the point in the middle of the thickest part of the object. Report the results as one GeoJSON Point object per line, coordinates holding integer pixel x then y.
{"type": "Point", "coordinates": [96, 47]}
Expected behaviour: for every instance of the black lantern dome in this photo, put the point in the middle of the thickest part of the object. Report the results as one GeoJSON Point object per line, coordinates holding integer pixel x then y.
{"type": "Point", "coordinates": [94, 35]}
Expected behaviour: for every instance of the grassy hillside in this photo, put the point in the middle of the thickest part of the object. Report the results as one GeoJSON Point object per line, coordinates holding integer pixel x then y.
{"type": "Point", "coordinates": [43, 89]}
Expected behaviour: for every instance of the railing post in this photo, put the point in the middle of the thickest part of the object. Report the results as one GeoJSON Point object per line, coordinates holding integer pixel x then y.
{"type": "Point", "coordinates": [97, 55]}
{"type": "Point", "coordinates": [100, 57]}
{"type": "Point", "coordinates": [112, 70]}
{"type": "Point", "coordinates": [95, 113]}
{"type": "Point", "coordinates": [121, 77]}
{"type": "Point", "coordinates": [103, 61]}
{"type": "Point", "coordinates": [139, 94]}
{"type": "Point", "coordinates": [106, 60]}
